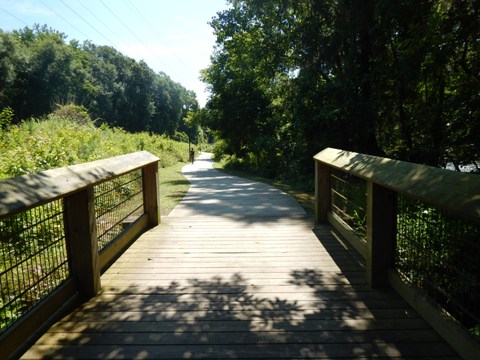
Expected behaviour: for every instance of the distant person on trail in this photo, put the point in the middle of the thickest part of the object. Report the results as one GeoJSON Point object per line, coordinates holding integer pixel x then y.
{"type": "Point", "coordinates": [192, 155]}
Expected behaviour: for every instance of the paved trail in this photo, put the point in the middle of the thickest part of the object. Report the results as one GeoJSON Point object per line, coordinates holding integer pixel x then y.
{"type": "Point", "coordinates": [213, 193]}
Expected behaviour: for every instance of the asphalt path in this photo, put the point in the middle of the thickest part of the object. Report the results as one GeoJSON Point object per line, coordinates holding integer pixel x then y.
{"type": "Point", "coordinates": [213, 193]}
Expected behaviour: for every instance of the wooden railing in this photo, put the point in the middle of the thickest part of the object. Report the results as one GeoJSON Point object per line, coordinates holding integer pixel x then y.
{"type": "Point", "coordinates": [50, 228]}
{"type": "Point", "coordinates": [422, 234]}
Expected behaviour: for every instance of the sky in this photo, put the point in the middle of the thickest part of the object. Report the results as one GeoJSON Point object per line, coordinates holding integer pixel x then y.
{"type": "Point", "coordinates": [172, 36]}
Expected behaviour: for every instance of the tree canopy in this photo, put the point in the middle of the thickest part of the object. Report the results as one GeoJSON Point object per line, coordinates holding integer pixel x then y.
{"type": "Point", "coordinates": [39, 69]}
{"type": "Point", "coordinates": [384, 77]}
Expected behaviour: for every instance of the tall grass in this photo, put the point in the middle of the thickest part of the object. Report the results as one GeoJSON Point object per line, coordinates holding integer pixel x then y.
{"type": "Point", "coordinates": [35, 145]}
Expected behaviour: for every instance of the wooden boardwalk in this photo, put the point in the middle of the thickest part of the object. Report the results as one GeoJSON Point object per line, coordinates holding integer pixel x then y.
{"type": "Point", "coordinates": [236, 271]}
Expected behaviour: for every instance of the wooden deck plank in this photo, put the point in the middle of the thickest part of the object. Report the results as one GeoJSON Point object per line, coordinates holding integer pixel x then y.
{"type": "Point", "coordinates": [84, 328]}
{"type": "Point", "coordinates": [370, 350]}
{"type": "Point", "coordinates": [226, 338]}
{"type": "Point", "coordinates": [237, 285]}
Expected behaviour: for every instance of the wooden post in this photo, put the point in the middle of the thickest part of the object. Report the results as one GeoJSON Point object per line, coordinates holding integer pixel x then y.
{"type": "Point", "coordinates": [381, 233]}
{"type": "Point", "coordinates": [322, 192]}
{"type": "Point", "coordinates": [81, 238]}
{"type": "Point", "coordinates": [151, 194]}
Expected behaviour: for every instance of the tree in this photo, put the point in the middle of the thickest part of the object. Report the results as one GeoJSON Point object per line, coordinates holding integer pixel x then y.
{"type": "Point", "coordinates": [8, 70]}
{"type": "Point", "coordinates": [45, 75]}
{"type": "Point", "coordinates": [239, 78]}
{"type": "Point", "coordinates": [395, 78]}
{"type": "Point", "coordinates": [39, 70]}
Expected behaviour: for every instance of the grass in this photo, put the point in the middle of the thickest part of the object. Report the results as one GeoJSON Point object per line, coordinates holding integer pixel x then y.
{"type": "Point", "coordinates": [173, 187]}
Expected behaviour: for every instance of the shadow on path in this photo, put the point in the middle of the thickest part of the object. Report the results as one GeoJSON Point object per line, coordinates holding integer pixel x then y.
{"type": "Point", "coordinates": [213, 193]}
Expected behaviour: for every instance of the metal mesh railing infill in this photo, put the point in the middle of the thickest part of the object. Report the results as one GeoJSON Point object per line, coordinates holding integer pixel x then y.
{"type": "Point", "coordinates": [118, 203]}
{"type": "Point", "coordinates": [349, 201]}
{"type": "Point", "coordinates": [33, 259]}
{"type": "Point", "coordinates": [439, 252]}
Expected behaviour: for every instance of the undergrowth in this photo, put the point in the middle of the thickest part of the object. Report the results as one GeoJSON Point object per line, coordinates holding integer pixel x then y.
{"type": "Point", "coordinates": [60, 139]}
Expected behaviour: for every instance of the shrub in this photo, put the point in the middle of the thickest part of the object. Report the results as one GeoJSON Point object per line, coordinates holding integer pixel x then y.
{"type": "Point", "coordinates": [77, 113]}
{"type": "Point", "coordinates": [6, 118]}
{"type": "Point", "coordinates": [60, 140]}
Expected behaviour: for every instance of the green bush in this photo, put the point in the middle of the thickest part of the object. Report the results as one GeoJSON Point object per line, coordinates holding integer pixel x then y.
{"type": "Point", "coordinates": [68, 136]}
{"type": "Point", "coordinates": [6, 118]}
{"type": "Point", "coordinates": [73, 112]}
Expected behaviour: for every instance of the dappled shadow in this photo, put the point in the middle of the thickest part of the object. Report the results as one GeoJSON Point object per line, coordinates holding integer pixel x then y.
{"type": "Point", "coordinates": [213, 193]}
{"type": "Point", "coordinates": [312, 313]}
{"type": "Point", "coordinates": [246, 288]}
{"type": "Point", "coordinates": [216, 318]}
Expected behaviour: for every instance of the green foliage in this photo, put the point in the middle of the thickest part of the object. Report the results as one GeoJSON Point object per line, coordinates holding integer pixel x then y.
{"type": "Point", "coordinates": [32, 254]}
{"type": "Point", "coordinates": [38, 69]}
{"type": "Point", "coordinates": [35, 145]}
{"type": "Point", "coordinates": [379, 77]}
{"type": "Point", "coordinates": [180, 136]}
{"type": "Point", "coordinates": [437, 251]}
{"type": "Point", "coordinates": [475, 331]}
{"type": "Point", "coordinates": [173, 185]}
{"type": "Point", "coordinates": [76, 113]}
{"type": "Point", "coordinates": [349, 201]}
{"type": "Point", "coordinates": [6, 118]}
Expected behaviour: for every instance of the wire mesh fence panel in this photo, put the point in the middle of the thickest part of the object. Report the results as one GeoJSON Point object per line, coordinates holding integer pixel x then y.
{"type": "Point", "coordinates": [33, 259]}
{"type": "Point", "coordinates": [440, 253]}
{"type": "Point", "coordinates": [349, 201]}
{"type": "Point", "coordinates": [117, 203]}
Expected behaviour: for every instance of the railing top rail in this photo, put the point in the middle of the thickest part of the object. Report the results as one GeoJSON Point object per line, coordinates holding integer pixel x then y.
{"type": "Point", "coordinates": [450, 190]}
{"type": "Point", "coordinates": [26, 191]}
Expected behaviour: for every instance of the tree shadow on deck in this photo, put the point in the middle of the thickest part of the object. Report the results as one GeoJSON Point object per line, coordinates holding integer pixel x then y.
{"type": "Point", "coordinates": [319, 314]}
